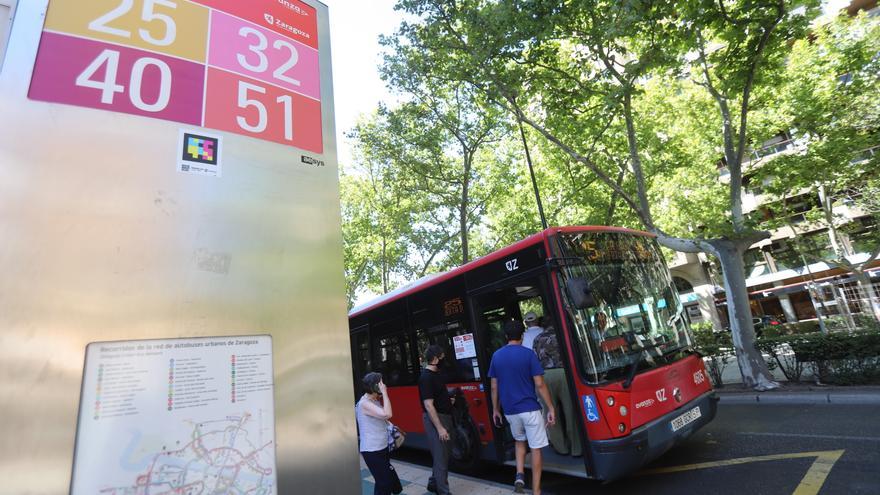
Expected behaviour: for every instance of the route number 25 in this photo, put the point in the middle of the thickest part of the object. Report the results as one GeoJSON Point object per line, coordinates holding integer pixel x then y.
{"type": "Point", "coordinates": [148, 15]}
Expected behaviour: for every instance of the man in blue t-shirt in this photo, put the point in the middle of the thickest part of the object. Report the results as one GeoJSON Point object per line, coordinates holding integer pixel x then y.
{"type": "Point", "coordinates": [516, 373]}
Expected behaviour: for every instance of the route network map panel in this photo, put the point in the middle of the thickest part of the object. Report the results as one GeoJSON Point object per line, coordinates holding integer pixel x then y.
{"type": "Point", "coordinates": [177, 416]}
{"type": "Point", "coordinates": [247, 67]}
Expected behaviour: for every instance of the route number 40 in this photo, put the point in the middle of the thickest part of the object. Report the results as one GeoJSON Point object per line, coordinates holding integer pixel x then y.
{"type": "Point", "coordinates": [109, 87]}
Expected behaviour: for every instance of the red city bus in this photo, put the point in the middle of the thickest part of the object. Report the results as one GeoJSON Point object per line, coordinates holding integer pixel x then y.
{"type": "Point", "coordinates": [632, 385]}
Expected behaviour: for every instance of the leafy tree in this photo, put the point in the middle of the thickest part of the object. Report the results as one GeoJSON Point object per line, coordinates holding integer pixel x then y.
{"type": "Point", "coordinates": [458, 124]}
{"type": "Point", "coordinates": [377, 224]}
{"type": "Point", "coordinates": [424, 177]}
{"type": "Point", "coordinates": [829, 97]}
{"type": "Point", "coordinates": [576, 73]}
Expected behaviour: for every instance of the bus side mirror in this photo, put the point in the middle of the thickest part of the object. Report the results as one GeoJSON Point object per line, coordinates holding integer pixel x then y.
{"type": "Point", "coordinates": [580, 293]}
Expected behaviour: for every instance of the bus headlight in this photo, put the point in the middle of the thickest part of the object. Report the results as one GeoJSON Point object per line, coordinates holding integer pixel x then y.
{"type": "Point", "coordinates": [609, 401]}
{"type": "Point", "coordinates": [623, 410]}
{"type": "Point", "coordinates": [621, 427]}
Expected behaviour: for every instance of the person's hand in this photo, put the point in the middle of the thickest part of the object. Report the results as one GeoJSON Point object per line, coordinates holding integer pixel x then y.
{"type": "Point", "coordinates": [551, 417]}
{"type": "Point", "coordinates": [382, 388]}
{"type": "Point", "coordinates": [496, 417]}
{"type": "Point", "coordinates": [444, 435]}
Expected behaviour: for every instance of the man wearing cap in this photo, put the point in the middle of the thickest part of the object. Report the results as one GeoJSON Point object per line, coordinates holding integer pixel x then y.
{"type": "Point", "coordinates": [516, 373]}
{"type": "Point", "coordinates": [533, 329]}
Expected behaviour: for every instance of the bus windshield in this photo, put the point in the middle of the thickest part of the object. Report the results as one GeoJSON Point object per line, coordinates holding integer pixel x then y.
{"type": "Point", "coordinates": [633, 316]}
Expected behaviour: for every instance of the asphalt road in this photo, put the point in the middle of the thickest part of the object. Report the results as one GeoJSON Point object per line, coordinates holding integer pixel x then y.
{"type": "Point", "coordinates": [803, 442]}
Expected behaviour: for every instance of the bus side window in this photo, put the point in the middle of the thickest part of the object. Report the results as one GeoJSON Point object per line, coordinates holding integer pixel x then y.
{"type": "Point", "coordinates": [393, 358]}
{"type": "Point", "coordinates": [456, 370]}
{"type": "Point", "coordinates": [361, 354]}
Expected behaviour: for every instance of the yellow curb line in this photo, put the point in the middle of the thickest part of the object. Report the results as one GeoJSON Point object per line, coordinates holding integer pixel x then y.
{"type": "Point", "coordinates": [809, 485]}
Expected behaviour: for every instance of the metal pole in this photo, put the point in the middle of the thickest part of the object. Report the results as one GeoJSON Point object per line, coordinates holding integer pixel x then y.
{"type": "Point", "coordinates": [522, 133]}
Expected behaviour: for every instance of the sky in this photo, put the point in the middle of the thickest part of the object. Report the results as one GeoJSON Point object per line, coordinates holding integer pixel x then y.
{"type": "Point", "coordinates": [355, 26]}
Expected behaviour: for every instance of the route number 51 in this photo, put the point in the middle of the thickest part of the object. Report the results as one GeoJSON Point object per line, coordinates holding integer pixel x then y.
{"type": "Point", "coordinates": [244, 101]}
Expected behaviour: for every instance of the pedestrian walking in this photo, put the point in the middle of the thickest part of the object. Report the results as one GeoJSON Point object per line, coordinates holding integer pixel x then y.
{"type": "Point", "coordinates": [437, 418]}
{"type": "Point", "coordinates": [516, 374]}
{"type": "Point", "coordinates": [372, 420]}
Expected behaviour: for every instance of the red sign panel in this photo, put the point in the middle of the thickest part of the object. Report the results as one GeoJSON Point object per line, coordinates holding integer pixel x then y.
{"type": "Point", "coordinates": [261, 110]}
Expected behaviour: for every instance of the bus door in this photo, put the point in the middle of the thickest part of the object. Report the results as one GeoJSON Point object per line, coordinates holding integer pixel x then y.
{"type": "Point", "coordinates": [508, 300]}
{"type": "Point", "coordinates": [511, 300]}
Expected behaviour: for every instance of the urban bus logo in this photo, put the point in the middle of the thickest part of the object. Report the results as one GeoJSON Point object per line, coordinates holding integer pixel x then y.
{"type": "Point", "coordinates": [512, 265]}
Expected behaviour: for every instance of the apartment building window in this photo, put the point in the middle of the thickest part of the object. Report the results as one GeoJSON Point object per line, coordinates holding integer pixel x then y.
{"type": "Point", "coordinates": [815, 247]}
{"type": "Point", "coordinates": [7, 11]}
{"type": "Point", "coordinates": [755, 186]}
{"type": "Point", "coordinates": [682, 285]}
{"type": "Point", "coordinates": [865, 236]}
{"type": "Point", "coordinates": [798, 206]}
{"type": "Point", "coordinates": [756, 263]}
{"type": "Point", "coordinates": [776, 144]}
{"type": "Point", "coordinates": [785, 256]}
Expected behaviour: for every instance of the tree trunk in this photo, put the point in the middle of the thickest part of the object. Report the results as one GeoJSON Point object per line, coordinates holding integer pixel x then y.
{"type": "Point", "coordinates": [752, 366]}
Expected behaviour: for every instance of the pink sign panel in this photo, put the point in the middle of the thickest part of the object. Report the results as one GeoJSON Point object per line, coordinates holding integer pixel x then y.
{"type": "Point", "coordinates": [93, 74]}
{"type": "Point", "coordinates": [263, 54]}
{"type": "Point", "coordinates": [291, 18]}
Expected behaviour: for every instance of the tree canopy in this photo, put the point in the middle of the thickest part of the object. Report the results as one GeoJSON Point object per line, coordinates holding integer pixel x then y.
{"type": "Point", "coordinates": [642, 114]}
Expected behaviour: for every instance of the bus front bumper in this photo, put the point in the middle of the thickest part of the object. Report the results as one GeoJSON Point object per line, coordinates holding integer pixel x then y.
{"type": "Point", "coordinates": [616, 458]}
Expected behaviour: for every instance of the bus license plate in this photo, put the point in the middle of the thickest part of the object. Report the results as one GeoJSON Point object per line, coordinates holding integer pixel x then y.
{"type": "Point", "coordinates": [686, 418]}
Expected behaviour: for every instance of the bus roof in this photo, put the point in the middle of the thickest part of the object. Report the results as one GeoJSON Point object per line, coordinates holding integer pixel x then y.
{"type": "Point", "coordinates": [436, 278]}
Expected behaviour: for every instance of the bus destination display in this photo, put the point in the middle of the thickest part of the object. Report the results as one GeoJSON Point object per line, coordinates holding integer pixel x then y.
{"type": "Point", "coordinates": [249, 68]}
{"type": "Point", "coordinates": [177, 416]}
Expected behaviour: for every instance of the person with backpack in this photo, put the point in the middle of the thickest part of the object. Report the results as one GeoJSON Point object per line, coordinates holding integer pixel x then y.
{"type": "Point", "coordinates": [516, 374]}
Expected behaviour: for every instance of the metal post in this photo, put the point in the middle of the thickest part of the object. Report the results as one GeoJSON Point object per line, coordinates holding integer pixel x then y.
{"type": "Point", "coordinates": [522, 133]}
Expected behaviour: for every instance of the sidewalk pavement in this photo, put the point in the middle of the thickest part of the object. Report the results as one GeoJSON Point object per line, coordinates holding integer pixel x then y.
{"type": "Point", "coordinates": [802, 394]}
{"type": "Point", "coordinates": [414, 479]}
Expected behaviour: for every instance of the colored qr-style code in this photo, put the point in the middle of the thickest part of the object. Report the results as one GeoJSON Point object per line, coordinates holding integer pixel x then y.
{"type": "Point", "coordinates": [201, 149]}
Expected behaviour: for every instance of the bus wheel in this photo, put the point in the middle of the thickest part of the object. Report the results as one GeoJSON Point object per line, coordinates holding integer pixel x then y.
{"type": "Point", "coordinates": [465, 451]}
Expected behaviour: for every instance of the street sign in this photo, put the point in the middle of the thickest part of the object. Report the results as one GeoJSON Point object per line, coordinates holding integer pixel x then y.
{"type": "Point", "coordinates": [249, 68]}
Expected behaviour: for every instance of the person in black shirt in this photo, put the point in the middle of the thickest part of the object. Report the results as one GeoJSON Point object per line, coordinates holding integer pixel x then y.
{"type": "Point", "coordinates": [437, 418]}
